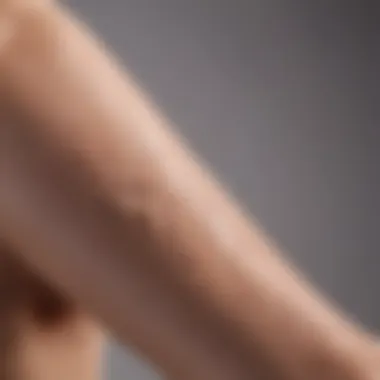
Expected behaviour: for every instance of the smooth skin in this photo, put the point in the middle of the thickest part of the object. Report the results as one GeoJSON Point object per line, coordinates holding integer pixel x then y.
{"type": "Point", "coordinates": [43, 336]}
{"type": "Point", "coordinates": [108, 206]}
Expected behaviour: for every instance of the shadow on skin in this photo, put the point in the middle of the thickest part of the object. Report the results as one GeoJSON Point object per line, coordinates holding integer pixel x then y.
{"type": "Point", "coordinates": [43, 335]}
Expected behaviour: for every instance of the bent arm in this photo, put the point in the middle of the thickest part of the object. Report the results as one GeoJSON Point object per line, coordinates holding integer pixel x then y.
{"type": "Point", "coordinates": [107, 203]}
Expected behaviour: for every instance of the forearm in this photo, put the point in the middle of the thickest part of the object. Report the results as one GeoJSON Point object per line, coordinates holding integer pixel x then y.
{"type": "Point", "coordinates": [131, 214]}
{"type": "Point", "coordinates": [69, 351]}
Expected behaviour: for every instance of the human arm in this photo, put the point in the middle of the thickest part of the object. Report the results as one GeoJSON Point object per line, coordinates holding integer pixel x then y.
{"type": "Point", "coordinates": [109, 202]}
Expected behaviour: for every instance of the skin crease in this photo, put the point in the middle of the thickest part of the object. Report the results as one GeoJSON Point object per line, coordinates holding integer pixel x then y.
{"type": "Point", "coordinates": [42, 334]}
{"type": "Point", "coordinates": [103, 201]}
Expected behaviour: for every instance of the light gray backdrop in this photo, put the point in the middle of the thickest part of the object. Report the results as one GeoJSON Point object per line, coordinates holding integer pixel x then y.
{"type": "Point", "coordinates": [281, 97]}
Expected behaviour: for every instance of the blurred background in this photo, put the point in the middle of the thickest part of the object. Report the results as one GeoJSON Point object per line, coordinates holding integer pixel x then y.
{"type": "Point", "coordinates": [281, 98]}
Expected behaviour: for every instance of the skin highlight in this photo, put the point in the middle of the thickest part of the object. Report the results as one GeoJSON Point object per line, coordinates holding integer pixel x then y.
{"type": "Point", "coordinates": [104, 202]}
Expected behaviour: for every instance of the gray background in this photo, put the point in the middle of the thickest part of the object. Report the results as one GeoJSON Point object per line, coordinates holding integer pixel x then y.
{"type": "Point", "coordinates": [281, 97]}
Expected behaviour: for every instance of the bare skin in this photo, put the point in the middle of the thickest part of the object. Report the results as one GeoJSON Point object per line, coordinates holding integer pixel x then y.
{"type": "Point", "coordinates": [102, 199]}
{"type": "Point", "coordinates": [43, 336]}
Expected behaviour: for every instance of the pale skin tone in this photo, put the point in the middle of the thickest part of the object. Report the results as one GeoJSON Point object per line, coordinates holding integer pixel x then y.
{"type": "Point", "coordinates": [103, 201]}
